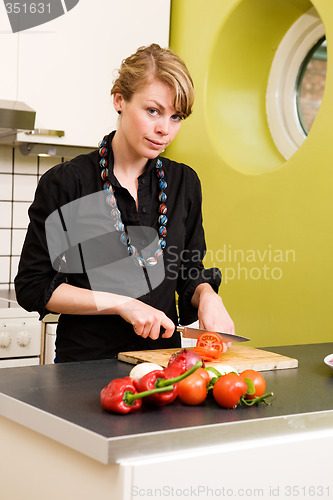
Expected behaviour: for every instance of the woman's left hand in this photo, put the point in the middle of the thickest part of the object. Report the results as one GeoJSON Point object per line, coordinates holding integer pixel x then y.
{"type": "Point", "coordinates": [212, 313]}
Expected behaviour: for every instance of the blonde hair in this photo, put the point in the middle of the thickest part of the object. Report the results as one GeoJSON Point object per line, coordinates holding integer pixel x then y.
{"type": "Point", "coordinates": [161, 63]}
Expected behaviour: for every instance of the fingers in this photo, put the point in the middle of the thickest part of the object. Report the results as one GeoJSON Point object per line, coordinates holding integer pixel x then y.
{"type": "Point", "coordinates": [169, 328]}
{"type": "Point", "coordinates": [141, 329]}
{"type": "Point", "coordinates": [154, 331]}
{"type": "Point", "coordinates": [145, 328]}
{"type": "Point", "coordinates": [148, 321]}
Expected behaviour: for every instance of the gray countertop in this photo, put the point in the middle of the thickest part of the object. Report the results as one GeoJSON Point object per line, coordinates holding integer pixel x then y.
{"type": "Point", "coordinates": [62, 402]}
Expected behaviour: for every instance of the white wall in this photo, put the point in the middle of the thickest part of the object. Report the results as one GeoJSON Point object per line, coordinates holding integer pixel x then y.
{"type": "Point", "coordinates": [47, 76]}
{"type": "Point", "coordinates": [19, 176]}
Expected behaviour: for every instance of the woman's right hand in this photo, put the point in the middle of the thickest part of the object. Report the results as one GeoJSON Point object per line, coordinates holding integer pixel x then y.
{"type": "Point", "coordinates": [146, 320]}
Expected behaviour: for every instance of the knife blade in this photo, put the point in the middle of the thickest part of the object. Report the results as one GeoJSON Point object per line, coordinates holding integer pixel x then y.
{"type": "Point", "coordinates": [193, 333]}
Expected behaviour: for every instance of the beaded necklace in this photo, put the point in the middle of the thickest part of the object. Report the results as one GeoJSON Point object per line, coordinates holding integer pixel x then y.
{"type": "Point", "coordinates": [116, 215]}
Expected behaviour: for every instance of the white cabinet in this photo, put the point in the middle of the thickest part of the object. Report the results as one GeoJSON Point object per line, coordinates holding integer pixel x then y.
{"type": "Point", "coordinates": [9, 58]}
{"type": "Point", "coordinates": [66, 66]}
{"type": "Point", "coordinates": [287, 468]}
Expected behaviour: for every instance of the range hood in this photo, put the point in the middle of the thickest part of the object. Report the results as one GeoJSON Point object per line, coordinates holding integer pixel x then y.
{"type": "Point", "coordinates": [15, 116]}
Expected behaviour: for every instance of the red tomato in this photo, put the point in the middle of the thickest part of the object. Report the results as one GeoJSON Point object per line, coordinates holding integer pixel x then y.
{"type": "Point", "coordinates": [258, 380]}
{"type": "Point", "coordinates": [210, 341]}
{"type": "Point", "coordinates": [207, 355]}
{"type": "Point", "coordinates": [204, 374]}
{"type": "Point", "coordinates": [229, 389]}
{"type": "Point", "coordinates": [192, 389]}
{"type": "Point", "coordinates": [210, 346]}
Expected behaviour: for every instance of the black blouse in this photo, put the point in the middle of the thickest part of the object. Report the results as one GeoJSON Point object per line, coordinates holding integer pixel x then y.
{"type": "Point", "coordinates": [82, 337]}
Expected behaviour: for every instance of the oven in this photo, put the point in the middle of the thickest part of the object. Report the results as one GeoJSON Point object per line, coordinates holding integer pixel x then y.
{"type": "Point", "coordinates": [20, 337]}
{"type": "Point", "coordinates": [49, 333]}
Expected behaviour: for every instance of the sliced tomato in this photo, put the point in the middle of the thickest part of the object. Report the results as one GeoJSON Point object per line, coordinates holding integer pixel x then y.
{"type": "Point", "coordinates": [211, 341]}
{"type": "Point", "coordinates": [207, 355]}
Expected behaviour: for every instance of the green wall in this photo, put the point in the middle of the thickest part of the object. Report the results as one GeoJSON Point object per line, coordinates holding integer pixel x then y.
{"type": "Point", "coordinates": [268, 221]}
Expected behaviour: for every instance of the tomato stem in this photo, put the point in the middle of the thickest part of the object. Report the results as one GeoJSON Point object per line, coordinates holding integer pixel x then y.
{"type": "Point", "coordinates": [256, 401]}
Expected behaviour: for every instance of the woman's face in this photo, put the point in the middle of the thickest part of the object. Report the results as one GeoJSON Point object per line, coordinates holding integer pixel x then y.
{"type": "Point", "coordinates": [148, 122]}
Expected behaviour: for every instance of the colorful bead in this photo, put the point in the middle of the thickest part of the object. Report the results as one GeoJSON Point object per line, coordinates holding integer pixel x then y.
{"type": "Point", "coordinates": [107, 186]}
{"type": "Point", "coordinates": [111, 200]}
{"type": "Point", "coordinates": [115, 213]}
{"type": "Point", "coordinates": [162, 231]}
{"type": "Point", "coordinates": [104, 174]}
{"type": "Point", "coordinates": [162, 243]}
{"type": "Point", "coordinates": [119, 225]}
{"type": "Point", "coordinates": [124, 238]}
{"type": "Point", "coordinates": [163, 208]}
{"type": "Point", "coordinates": [162, 197]}
{"type": "Point", "coordinates": [159, 253]}
{"type": "Point", "coordinates": [163, 219]}
{"type": "Point", "coordinates": [103, 162]}
{"type": "Point", "coordinates": [162, 183]}
{"type": "Point", "coordinates": [140, 261]}
{"type": "Point", "coordinates": [132, 250]}
{"type": "Point", "coordinates": [151, 261]}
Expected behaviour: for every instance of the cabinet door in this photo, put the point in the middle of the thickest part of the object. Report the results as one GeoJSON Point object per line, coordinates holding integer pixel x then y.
{"type": "Point", "coordinates": [66, 66]}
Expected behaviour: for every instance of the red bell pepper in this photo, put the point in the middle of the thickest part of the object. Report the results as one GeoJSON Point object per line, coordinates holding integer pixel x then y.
{"type": "Point", "coordinates": [158, 379]}
{"type": "Point", "coordinates": [121, 395]}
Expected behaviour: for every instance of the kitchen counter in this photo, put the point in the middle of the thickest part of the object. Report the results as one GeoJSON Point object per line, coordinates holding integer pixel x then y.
{"type": "Point", "coordinates": [61, 403]}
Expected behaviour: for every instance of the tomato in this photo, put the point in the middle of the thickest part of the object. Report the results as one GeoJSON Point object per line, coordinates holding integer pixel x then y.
{"type": "Point", "coordinates": [206, 355]}
{"type": "Point", "coordinates": [204, 374]}
{"type": "Point", "coordinates": [210, 346]}
{"type": "Point", "coordinates": [258, 380]}
{"type": "Point", "coordinates": [211, 341]}
{"type": "Point", "coordinates": [192, 389]}
{"type": "Point", "coordinates": [229, 389]}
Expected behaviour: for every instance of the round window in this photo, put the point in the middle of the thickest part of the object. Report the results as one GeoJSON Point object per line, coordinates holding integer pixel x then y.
{"type": "Point", "coordinates": [311, 84]}
{"type": "Point", "coordinates": [294, 93]}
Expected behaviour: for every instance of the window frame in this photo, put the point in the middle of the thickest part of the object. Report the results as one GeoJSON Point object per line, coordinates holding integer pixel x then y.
{"type": "Point", "coordinates": [282, 112]}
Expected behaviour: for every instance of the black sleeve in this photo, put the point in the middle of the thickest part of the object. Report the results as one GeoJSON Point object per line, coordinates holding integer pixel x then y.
{"type": "Point", "coordinates": [192, 271]}
{"type": "Point", "coordinates": [36, 278]}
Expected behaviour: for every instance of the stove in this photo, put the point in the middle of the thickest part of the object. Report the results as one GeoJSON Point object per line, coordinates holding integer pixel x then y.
{"type": "Point", "coordinates": [20, 336]}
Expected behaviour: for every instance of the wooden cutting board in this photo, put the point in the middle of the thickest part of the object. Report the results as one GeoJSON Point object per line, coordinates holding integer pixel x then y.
{"type": "Point", "coordinates": [238, 356]}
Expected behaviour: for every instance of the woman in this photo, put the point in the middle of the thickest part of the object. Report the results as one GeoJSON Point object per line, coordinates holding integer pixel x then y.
{"type": "Point", "coordinates": [133, 305]}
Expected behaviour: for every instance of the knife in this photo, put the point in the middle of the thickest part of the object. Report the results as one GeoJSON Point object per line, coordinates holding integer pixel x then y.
{"type": "Point", "coordinates": [193, 333]}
